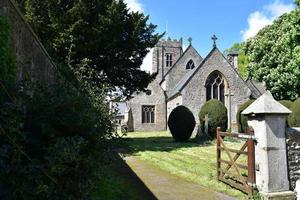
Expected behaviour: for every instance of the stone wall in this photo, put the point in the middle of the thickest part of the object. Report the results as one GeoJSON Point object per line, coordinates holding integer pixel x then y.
{"type": "Point", "coordinates": [293, 147]}
{"type": "Point", "coordinates": [157, 99]}
{"type": "Point", "coordinates": [177, 101]}
{"type": "Point", "coordinates": [179, 69]}
{"type": "Point", "coordinates": [32, 59]}
{"type": "Point", "coordinates": [159, 56]}
{"type": "Point", "coordinates": [194, 93]}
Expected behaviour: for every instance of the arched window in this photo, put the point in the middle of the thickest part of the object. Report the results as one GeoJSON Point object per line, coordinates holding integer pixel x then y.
{"type": "Point", "coordinates": [215, 87]}
{"type": "Point", "coordinates": [190, 65]}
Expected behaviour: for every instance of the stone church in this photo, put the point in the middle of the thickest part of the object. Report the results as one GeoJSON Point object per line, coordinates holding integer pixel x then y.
{"type": "Point", "coordinates": [186, 78]}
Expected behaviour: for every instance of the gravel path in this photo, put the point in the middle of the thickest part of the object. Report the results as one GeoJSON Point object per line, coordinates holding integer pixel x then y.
{"type": "Point", "coordinates": [165, 186]}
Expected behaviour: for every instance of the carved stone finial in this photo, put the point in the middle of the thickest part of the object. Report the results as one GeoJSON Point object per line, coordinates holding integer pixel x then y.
{"type": "Point", "coordinates": [190, 40]}
{"type": "Point", "coordinates": [214, 38]}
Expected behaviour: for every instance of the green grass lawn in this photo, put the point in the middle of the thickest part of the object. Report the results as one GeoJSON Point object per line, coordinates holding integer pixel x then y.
{"type": "Point", "coordinates": [191, 160]}
{"type": "Point", "coordinates": [118, 182]}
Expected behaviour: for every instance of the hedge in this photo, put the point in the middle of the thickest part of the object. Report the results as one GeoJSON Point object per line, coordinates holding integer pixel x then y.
{"type": "Point", "coordinates": [217, 115]}
{"type": "Point", "coordinates": [181, 123]}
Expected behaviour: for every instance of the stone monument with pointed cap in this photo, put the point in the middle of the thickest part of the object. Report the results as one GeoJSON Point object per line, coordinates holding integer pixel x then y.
{"type": "Point", "coordinates": [268, 119]}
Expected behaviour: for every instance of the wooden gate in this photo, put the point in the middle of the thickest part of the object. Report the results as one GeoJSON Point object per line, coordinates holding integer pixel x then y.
{"type": "Point", "coordinates": [238, 175]}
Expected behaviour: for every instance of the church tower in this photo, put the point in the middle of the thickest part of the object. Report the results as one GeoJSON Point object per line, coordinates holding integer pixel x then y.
{"type": "Point", "coordinates": [165, 54]}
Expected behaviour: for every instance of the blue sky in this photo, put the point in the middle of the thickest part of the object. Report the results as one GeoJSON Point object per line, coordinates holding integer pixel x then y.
{"type": "Point", "coordinates": [231, 20]}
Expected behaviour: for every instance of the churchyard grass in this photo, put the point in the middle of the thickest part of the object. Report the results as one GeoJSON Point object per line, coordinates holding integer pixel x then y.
{"type": "Point", "coordinates": [117, 182]}
{"type": "Point", "coordinates": [193, 161]}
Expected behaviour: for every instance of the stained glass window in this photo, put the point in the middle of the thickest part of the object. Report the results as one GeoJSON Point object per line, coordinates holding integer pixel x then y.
{"type": "Point", "coordinates": [215, 87]}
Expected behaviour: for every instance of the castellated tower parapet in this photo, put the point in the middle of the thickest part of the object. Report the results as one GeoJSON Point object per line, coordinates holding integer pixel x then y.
{"type": "Point", "coordinates": [165, 54]}
{"type": "Point", "coordinates": [170, 43]}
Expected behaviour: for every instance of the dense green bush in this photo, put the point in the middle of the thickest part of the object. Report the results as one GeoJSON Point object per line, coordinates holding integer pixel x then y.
{"type": "Point", "coordinates": [286, 103]}
{"type": "Point", "coordinates": [181, 123]}
{"type": "Point", "coordinates": [65, 134]}
{"type": "Point", "coordinates": [53, 139]}
{"type": "Point", "coordinates": [242, 120]}
{"type": "Point", "coordinates": [294, 118]}
{"type": "Point", "coordinates": [217, 115]}
{"type": "Point", "coordinates": [7, 58]}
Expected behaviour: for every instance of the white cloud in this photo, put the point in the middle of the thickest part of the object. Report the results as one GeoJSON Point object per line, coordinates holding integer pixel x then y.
{"type": "Point", "coordinates": [147, 62]}
{"type": "Point", "coordinates": [134, 5]}
{"type": "Point", "coordinates": [256, 21]}
{"type": "Point", "coordinates": [278, 8]}
{"type": "Point", "coordinates": [259, 19]}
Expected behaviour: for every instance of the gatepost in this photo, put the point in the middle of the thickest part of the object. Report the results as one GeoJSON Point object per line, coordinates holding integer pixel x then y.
{"type": "Point", "coordinates": [268, 119]}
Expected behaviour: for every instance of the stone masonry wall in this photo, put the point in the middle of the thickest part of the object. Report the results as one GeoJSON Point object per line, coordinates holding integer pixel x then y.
{"type": "Point", "coordinates": [32, 59]}
{"type": "Point", "coordinates": [157, 99]}
{"type": "Point", "coordinates": [159, 56]}
{"type": "Point", "coordinates": [179, 69]}
{"type": "Point", "coordinates": [293, 148]}
{"type": "Point", "coordinates": [172, 104]}
{"type": "Point", "coordinates": [194, 94]}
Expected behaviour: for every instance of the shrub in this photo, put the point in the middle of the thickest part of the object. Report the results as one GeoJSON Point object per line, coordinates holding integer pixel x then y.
{"type": "Point", "coordinates": [294, 118]}
{"type": "Point", "coordinates": [65, 134]}
{"type": "Point", "coordinates": [242, 120]}
{"type": "Point", "coordinates": [54, 139]}
{"type": "Point", "coordinates": [181, 123]}
{"type": "Point", "coordinates": [217, 115]}
{"type": "Point", "coordinates": [286, 103]}
{"type": "Point", "coordinates": [8, 66]}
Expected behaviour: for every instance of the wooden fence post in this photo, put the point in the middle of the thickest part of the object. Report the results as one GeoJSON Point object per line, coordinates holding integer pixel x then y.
{"type": "Point", "coordinates": [251, 160]}
{"type": "Point", "coordinates": [218, 153]}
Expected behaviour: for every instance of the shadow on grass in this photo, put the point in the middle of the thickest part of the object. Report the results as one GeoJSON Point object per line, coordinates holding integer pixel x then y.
{"type": "Point", "coordinates": [162, 143]}
{"type": "Point", "coordinates": [121, 182]}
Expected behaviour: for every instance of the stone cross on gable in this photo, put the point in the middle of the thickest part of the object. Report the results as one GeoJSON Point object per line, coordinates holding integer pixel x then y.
{"type": "Point", "coordinates": [214, 38]}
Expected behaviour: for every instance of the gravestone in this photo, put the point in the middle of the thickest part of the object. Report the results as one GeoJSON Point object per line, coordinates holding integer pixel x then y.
{"type": "Point", "coordinates": [206, 125]}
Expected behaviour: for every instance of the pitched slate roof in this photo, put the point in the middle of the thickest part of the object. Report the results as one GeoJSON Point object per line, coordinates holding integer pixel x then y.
{"type": "Point", "coordinates": [188, 76]}
{"type": "Point", "coordinates": [181, 56]}
{"type": "Point", "coordinates": [180, 84]}
{"type": "Point", "coordinates": [257, 88]}
{"type": "Point", "coordinates": [185, 80]}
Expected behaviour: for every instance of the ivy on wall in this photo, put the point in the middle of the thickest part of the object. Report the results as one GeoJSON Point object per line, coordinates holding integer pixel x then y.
{"type": "Point", "coordinates": [8, 67]}
{"type": "Point", "coordinates": [54, 139]}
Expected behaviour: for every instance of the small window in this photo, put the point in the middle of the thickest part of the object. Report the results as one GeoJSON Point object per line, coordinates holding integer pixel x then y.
{"type": "Point", "coordinates": [190, 65]}
{"type": "Point", "coordinates": [169, 60]}
{"type": "Point", "coordinates": [148, 113]}
{"type": "Point", "coordinates": [148, 92]}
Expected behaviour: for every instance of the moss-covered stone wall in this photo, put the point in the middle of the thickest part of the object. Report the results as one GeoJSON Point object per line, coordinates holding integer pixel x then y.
{"type": "Point", "coordinates": [32, 60]}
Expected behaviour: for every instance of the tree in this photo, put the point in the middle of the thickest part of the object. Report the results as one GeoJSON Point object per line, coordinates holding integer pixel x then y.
{"type": "Point", "coordinates": [103, 37]}
{"type": "Point", "coordinates": [274, 56]}
{"type": "Point", "coordinates": [243, 60]}
{"type": "Point", "coordinates": [56, 148]}
{"type": "Point", "coordinates": [8, 65]}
